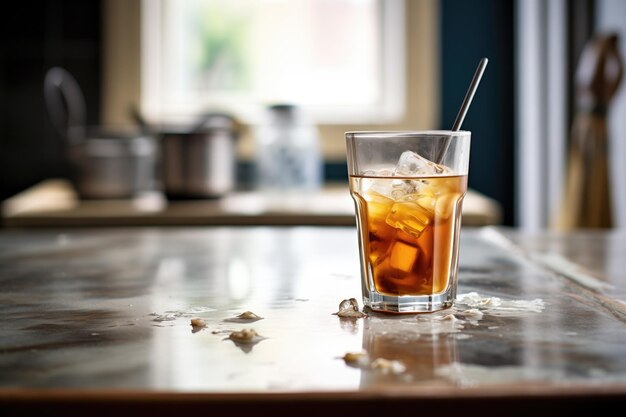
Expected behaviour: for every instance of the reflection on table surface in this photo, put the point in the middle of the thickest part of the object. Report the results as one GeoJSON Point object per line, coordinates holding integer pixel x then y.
{"type": "Point", "coordinates": [111, 309]}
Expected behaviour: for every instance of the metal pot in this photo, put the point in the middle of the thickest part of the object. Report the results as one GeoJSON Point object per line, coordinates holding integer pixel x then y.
{"type": "Point", "coordinates": [105, 164]}
{"type": "Point", "coordinates": [109, 165]}
{"type": "Point", "coordinates": [201, 162]}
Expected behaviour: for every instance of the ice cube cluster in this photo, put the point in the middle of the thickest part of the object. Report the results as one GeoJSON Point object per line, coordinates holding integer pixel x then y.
{"type": "Point", "coordinates": [414, 200]}
{"type": "Point", "coordinates": [410, 165]}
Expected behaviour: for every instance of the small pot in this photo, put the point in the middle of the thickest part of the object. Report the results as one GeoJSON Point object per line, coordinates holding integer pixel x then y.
{"type": "Point", "coordinates": [113, 165]}
{"type": "Point", "coordinates": [201, 162]}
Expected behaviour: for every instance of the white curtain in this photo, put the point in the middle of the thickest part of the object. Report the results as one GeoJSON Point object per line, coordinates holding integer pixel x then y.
{"type": "Point", "coordinates": [541, 90]}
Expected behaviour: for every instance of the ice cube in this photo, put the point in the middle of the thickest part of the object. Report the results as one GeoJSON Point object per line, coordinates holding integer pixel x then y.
{"type": "Point", "coordinates": [414, 212]}
{"type": "Point", "coordinates": [349, 304]}
{"type": "Point", "coordinates": [402, 188]}
{"type": "Point", "coordinates": [377, 204]}
{"type": "Point", "coordinates": [411, 164]}
{"type": "Point", "coordinates": [409, 217]}
{"type": "Point", "coordinates": [402, 256]}
{"type": "Point", "coordinates": [375, 186]}
{"type": "Point", "coordinates": [425, 197]}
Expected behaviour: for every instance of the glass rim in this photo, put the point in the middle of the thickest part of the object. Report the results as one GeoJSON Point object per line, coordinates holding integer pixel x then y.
{"type": "Point", "coordinates": [407, 133]}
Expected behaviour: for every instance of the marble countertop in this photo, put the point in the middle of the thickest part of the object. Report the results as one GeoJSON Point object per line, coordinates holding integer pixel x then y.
{"type": "Point", "coordinates": [99, 319]}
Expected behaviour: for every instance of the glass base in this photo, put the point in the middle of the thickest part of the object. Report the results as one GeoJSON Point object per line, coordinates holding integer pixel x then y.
{"type": "Point", "coordinates": [407, 304]}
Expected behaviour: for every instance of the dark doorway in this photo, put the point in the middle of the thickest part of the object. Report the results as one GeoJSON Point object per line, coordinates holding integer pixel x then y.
{"type": "Point", "coordinates": [469, 31]}
{"type": "Point", "coordinates": [36, 35]}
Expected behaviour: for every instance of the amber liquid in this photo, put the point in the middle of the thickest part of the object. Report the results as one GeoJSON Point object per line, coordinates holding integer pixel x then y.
{"type": "Point", "coordinates": [408, 238]}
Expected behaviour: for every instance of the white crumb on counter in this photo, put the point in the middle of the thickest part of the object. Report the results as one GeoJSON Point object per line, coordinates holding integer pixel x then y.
{"type": "Point", "coordinates": [356, 359]}
{"type": "Point", "coordinates": [198, 323]}
{"type": "Point", "coordinates": [498, 307]}
{"type": "Point", "coordinates": [449, 317]}
{"type": "Point", "coordinates": [249, 315]}
{"type": "Point", "coordinates": [472, 313]}
{"type": "Point", "coordinates": [244, 336]}
{"type": "Point", "coordinates": [349, 308]}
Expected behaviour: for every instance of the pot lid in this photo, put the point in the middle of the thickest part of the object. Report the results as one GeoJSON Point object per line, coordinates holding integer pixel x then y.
{"type": "Point", "coordinates": [207, 123]}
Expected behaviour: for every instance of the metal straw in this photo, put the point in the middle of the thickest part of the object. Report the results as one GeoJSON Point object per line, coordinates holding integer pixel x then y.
{"type": "Point", "coordinates": [469, 96]}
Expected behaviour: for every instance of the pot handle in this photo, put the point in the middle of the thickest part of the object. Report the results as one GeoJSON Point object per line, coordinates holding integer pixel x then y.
{"type": "Point", "coordinates": [65, 104]}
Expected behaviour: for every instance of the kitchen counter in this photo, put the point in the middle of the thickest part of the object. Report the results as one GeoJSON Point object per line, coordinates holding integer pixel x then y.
{"type": "Point", "coordinates": [97, 322]}
{"type": "Point", "coordinates": [54, 203]}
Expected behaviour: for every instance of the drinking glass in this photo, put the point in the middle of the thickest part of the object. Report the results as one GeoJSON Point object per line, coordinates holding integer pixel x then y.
{"type": "Point", "coordinates": [408, 189]}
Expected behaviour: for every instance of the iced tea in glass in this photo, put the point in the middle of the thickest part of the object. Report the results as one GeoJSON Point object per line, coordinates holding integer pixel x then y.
{"type": "Point", "coordinates": [408, 189]}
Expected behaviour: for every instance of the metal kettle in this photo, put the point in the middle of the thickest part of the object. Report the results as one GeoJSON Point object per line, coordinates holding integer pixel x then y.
{"type": "Point", "coordinates": [105, 164]}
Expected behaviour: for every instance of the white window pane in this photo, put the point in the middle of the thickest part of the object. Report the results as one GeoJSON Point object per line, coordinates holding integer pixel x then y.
{"type": "Point", "coordinates": [326, 55]}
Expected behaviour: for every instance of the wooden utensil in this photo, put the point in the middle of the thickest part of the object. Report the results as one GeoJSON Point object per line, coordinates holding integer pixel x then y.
{"type": "Point", "coordinates": [587, 197]}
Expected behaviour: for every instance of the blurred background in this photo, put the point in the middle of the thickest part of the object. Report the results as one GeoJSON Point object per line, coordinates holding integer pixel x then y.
{"type": "Point", "coordinates": [346, 64]}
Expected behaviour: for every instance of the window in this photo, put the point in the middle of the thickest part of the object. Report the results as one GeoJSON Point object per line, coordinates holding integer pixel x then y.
{"type": "Point", "coordinates": [342, 60]}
